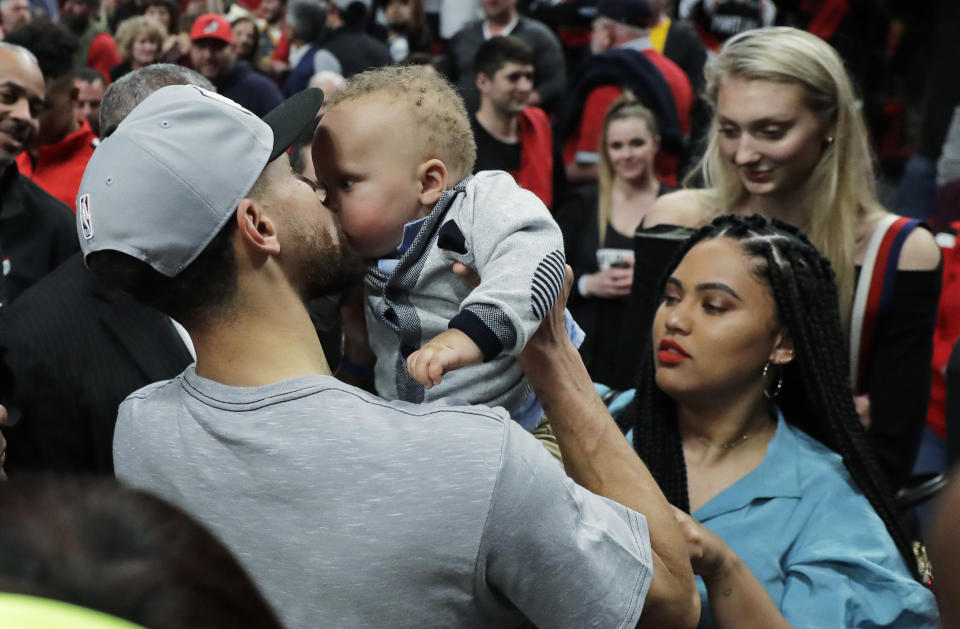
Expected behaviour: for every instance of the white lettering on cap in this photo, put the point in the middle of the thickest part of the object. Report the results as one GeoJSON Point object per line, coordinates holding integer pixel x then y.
{"type": "Point", "coordinates": [211, 27]}
{"type": "Point", "coordinates": [83, 210]}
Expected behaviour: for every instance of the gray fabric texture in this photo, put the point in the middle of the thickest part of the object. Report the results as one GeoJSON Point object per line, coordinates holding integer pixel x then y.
{"type": "Point", "coordinates": [349, 511]}
{"type": "Point", "coordinates": [509, 234]}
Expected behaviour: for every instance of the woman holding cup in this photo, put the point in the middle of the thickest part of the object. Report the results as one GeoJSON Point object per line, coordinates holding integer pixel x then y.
{"type": "Point", "coordinates": [598, 223]}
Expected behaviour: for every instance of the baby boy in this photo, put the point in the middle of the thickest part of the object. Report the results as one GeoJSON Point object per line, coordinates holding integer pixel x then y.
{"type": "Point", "coordinates": [394, 152]}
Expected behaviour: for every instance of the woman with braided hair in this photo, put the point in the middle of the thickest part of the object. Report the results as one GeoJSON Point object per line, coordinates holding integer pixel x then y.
{"type": "Point", "coordinates": [788, 141]}
{"type": "Point", "coordinates": [744, 416]}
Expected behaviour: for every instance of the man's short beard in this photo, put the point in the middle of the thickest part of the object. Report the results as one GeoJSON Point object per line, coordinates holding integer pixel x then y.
{"type": "Point", "coordinates": [332, 267]}
{"type": "Point", "coordinates": [76, 23]}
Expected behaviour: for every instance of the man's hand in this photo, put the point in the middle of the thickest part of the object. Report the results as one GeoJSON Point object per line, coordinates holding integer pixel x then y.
{"type": "Point", "coordinates": [449, 350]}
{"type": "Point", "coordinates": [707, 552]}
{"type": "Point", "coordinates": [551, 333]}
{"type": "Point", "coordinates": [862, 403]}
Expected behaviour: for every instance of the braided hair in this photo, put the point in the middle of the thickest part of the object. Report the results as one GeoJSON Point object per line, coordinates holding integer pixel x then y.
{"type": "Point", "coordinates": [816, 397]}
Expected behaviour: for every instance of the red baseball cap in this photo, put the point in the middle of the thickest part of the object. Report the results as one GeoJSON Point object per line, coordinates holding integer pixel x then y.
{"type": "Point", "coordinates": [211, 26]}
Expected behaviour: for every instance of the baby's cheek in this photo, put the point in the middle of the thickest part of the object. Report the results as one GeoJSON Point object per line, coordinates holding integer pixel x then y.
{"type": "Point", "coordinates": [371, 233]}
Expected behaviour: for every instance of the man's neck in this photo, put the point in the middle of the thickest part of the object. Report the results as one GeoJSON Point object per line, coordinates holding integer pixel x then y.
{"type": "Point", "coordinates": [498, 23]}
{"type": "Point", "coordinates": [33, 152]}
{"type": "Point", "coordinates": [639, 40]}
{"type": "Point", "coordinates": [223, 80]}
{"type": "Point", "coordinates": [334, 21]}
{"type": "Point", "coordinates": [504, 126]}
{"type": "Point", "coordinates": [267, 337]}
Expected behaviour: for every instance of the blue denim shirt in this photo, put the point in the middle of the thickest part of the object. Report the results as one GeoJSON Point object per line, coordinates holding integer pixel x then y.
{"type": "Point", "coordinates": [814, 541]}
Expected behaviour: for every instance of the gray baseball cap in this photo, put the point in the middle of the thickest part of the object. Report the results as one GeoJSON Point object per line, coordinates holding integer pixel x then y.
{"type": "Point", "coordinates": [170, 176]}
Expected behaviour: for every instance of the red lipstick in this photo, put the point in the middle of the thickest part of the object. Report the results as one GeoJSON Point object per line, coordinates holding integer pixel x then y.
{"type": "Point", "coordinates": [671, 353]}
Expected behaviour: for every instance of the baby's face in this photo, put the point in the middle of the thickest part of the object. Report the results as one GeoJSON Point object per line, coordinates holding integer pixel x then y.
{"type": "Point", "coordinates": [366, 159]}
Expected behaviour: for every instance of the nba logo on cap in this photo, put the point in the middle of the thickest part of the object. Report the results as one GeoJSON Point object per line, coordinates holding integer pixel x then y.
{"type": "Point", "coordinates": [83, 211]}
{"type": "Point", "coordinates": [211, 27]}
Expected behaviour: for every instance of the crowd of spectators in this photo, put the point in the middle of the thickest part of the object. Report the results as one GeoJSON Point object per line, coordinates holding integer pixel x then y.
{"type": "Point", "coordinates": [478, 312]}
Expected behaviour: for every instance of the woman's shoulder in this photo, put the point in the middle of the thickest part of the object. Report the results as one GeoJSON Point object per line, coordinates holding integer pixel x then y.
{"type": "Point", "coordinates": [920, 251]}
{"type": "Point", "coordinates": [686, 208]}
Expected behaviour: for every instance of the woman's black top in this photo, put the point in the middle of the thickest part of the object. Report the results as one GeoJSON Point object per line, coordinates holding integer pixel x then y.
{"type": "Point", "coordinates": [602, 319]}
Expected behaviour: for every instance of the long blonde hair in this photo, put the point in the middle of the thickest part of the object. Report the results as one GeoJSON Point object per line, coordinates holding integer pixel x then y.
{"type": "Point", "coordinates": [627, 106]}
{"type": "Point", "coordinates": [841, 189]}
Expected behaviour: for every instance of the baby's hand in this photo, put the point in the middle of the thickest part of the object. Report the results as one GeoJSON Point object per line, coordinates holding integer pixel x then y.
{"type": "Point", "coordinates": [445, 352]}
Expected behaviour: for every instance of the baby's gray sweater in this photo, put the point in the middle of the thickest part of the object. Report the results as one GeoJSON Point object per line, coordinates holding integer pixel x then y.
{"type": "Point", "coordinates": [509, 237]}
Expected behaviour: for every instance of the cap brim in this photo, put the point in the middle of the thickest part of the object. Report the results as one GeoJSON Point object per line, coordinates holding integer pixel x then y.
{"type": "Point", "coordinates": [290, 118]}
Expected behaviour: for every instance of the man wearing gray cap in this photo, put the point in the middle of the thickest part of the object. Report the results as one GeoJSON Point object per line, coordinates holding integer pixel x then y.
{"type": "Point", "coordinates": [349, 511]}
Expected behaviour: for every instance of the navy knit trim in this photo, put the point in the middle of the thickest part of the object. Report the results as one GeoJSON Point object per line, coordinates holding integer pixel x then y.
{"type": "Point", "coordinates": [471, 325]}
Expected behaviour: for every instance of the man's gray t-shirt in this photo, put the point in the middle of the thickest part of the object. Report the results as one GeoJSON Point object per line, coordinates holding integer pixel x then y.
{"type": "Point", "coordinates": [349, 511]}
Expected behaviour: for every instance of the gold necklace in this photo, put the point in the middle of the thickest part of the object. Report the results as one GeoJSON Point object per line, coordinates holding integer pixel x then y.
{"type": "Point", "coordinates": [730, 445]}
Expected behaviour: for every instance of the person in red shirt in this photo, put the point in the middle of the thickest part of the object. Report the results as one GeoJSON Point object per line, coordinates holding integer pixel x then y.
{"type": "Point", "coordinates": [64, 144]}
{"type": "Point", "coordinates": [622, 24]}
{"type": "Point", "coordinates": [512, 135]}
{"type": "Point", "coordinates": [946, 334]}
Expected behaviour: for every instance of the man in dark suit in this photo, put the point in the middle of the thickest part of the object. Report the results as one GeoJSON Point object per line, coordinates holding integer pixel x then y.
{"type": "Point", "coordinates": [73, 350]}
{"type": "Point", "coordinates": [37, 232]}
{"type": "Point", "coordinates": [76, 350]}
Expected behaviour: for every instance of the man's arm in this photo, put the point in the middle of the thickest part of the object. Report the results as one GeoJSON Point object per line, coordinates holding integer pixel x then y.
{"type": "Point", "coordinates": [597, 457]}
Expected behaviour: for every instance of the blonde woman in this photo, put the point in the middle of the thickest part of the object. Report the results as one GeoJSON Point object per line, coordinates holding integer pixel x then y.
{"type": "Point", "coordinates": [139, 41]}
{"type": "Point", "coordinates": [598, 223]}
{"type": "Point", "coordinates": [788, 141]}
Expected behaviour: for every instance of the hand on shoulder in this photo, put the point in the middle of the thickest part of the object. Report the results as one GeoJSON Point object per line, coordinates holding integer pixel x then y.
{"type": "Point", "coordinates": [683, 207]}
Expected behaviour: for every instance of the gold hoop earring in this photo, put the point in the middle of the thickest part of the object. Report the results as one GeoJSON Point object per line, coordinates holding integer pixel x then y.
{"type": "Point", "coordinates": [776, 391]}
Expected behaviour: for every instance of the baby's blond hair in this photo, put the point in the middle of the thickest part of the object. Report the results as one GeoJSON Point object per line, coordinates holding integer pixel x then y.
{"type": "Point", "coordinates": [439, 117]}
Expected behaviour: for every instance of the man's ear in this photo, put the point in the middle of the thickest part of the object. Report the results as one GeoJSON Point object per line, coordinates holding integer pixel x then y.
{"type": "Point", "coordinates": [256, 229]}
{"type": "Point", "coordinates": [482, 81]}
{"type": "Point", "coordinates": [783, 351]}
{"type": "Point", "coordinates": [432, 177]}
{"type": "Point", "coordinates": [74, 94]}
